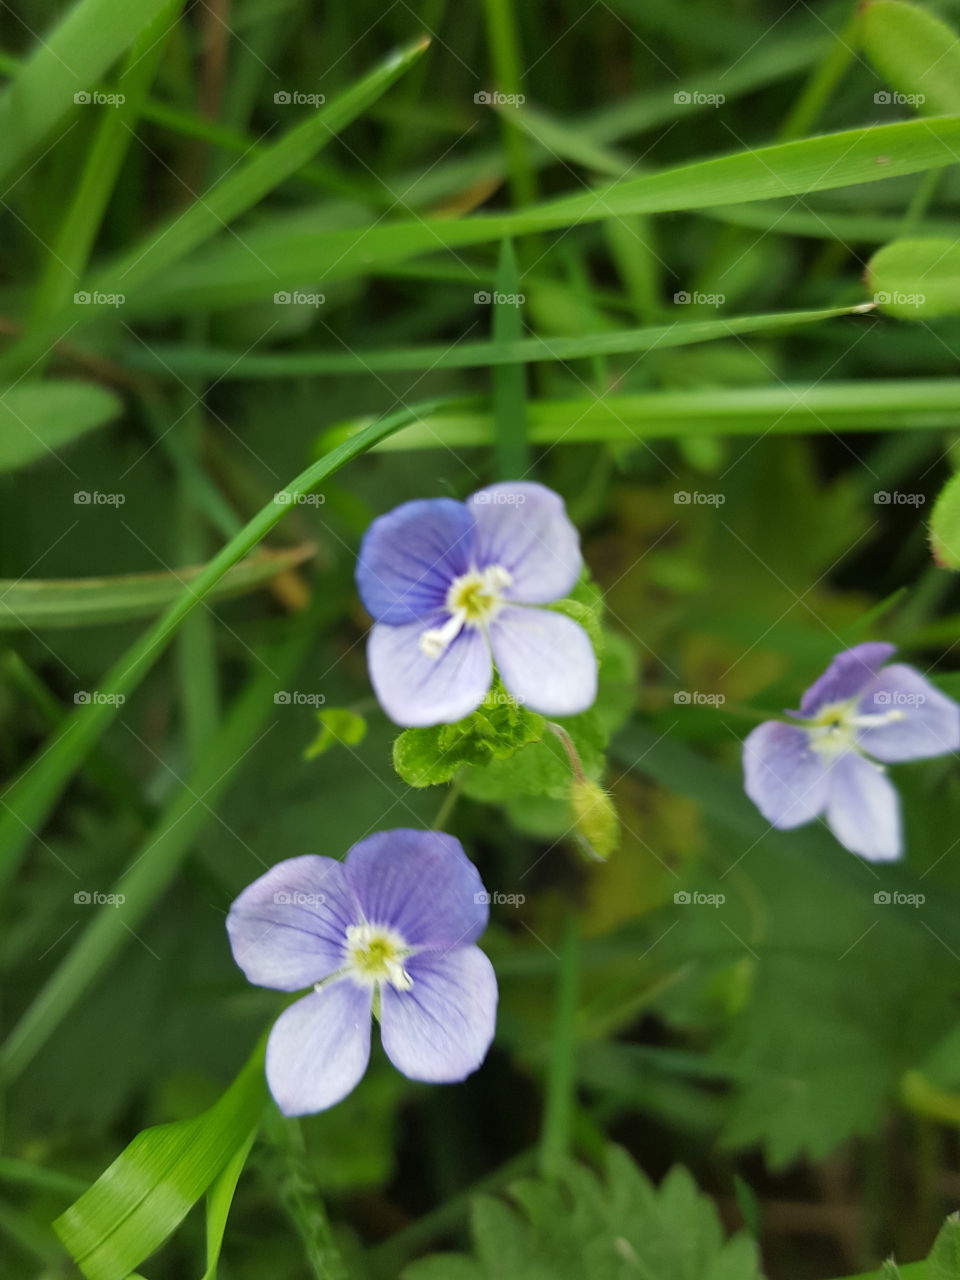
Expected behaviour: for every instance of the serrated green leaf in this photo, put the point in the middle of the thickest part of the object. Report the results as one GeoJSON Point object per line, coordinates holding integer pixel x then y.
{"type": "Point", "coordinates": [916, 279]}
{"type": "Point", "coordinates": [916, 53]}
{"type": "Point", "coordinates": [943, 1262]}
{"type": "Point", "coordinates": [616, 1228]}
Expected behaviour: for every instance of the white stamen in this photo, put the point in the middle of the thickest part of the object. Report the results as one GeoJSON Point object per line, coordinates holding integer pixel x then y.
{"type": "Point", "coordinates": [438, 639]}
{"type": "Point", "coordinates": [473, 600]}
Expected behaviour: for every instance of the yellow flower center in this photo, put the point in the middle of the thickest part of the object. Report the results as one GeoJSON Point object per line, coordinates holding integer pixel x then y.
{"type": "Point", "coordinates": [472, 600]}
{"type": "Point", "coordinates": [375, 954]}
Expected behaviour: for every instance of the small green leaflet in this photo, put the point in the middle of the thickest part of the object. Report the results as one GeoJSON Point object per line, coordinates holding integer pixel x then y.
{"type": "Point", "coordinates": [336, 724]}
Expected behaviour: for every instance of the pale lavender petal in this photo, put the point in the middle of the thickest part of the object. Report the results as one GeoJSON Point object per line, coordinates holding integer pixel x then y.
{"type": "Point", "coordinates": [415, 689]}
{"type": "Point", "coordinates": [847, 675]}
{"type": "Point", "coordinates": [863, 809]}
{"type": "Point", "coordinates": [545, 659]}
{"type": "Point", "coordinates": [525, 529]}
{"type": "Point", "coordinates": [287, 929]}
{"type": "Point", "coordinates": [319, 1048]}
{"type": "Point", "coordinates": [929, 723]}
{"type": "Point", "coordinates": [441, 1029]}
{"type": "Point", "coordinates": [420, 883]}
{"type": "Point", "coordinates": [409, 557]}
{"type": "Point", "coordinates": [783, 776]}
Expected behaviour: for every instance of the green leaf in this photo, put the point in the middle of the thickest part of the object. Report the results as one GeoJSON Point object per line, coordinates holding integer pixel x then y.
{"type": "Point", "coordinates": [609, 1229]}
{"type": "Point", "coordinates": [219, 1199]}
{"type": "Point", "coordinates": [943, 1262]}
{"type": "Point", "coordinates": [92, 35]}
{"type": "Point", "coordinates": [915, 52]}
{"type": "Point", "coordinates": [945, 525]}
{"type": "Point", "coordinates": [150, 1188]}
{"type": "Point", "coordinates": [495, 731]}
{"type": "Point", "coordinates": [90, 602]}
{"type": "Point", "coordinates": [336, 724]}
{"type": "Point", "coordinates": [39, 418]}
{"type": "Point", "coordinates": [285, 257]}
{"type": "Point", "coordinates": [916, 279]}
{"type": "Point", "coordinates": [509, 380]}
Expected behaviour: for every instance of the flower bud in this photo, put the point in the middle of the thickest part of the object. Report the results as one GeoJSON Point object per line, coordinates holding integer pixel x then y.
{"type": "Point", "coordinates": [595, 821]}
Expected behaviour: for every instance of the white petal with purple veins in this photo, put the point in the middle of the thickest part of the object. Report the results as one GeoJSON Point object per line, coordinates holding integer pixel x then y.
{"type": "Point", "coordinates": [524, 528]}
{"type": "Point", "coordinates": [920, 720]}
{"type": "Point", "coordinates": [421, 884]}
{"type": "Point", "coordinates": [545, 659]}
{"type": "Point", "coordinates": [287, 928]}
{"type": "Point", "coordinates": [863, 809]}
{"type": "Point", "coordinates": [783, 776]}
{"type": "Point", "coordinates": [319, 1048]}
{"type": "Point", "coordinates": [415, 688]}
{"type": "Point", "coordinates": [440, 1030]}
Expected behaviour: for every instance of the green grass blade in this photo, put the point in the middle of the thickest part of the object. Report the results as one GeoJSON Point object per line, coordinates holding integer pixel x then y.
{"type": "Point", "coordinates": [90, 602]}
{"type": "Point", "coordinates": [869, 405]}
{"type": "Point", "coordinates": [219, 1199]}
{"type": "Point", "coordinates": [32, 794]}
{"type": "Point", "coordinates": [227, 366]}
{"type": "Point", "coordinates": [154, 866]}
{"type": "Point", "coordinates": [916, 52]}
{"type": "Point", "coordinates": [509, 391]}
{"type": "Point", "coordinates": [280, 257]}
{"type": "Point", "coordinates": [38, 418]}
{"type": "Point", "coordinates": [149, 1189]}
{"type": "Point", "coordinates": [68, 61]}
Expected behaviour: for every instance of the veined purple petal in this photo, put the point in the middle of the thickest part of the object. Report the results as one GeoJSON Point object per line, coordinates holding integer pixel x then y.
{"type": "Point", "coordinates": [415, 689]}
{"type": "Point", "coordinates": [319, 1048]}
{"type": "Point", "coordinates": [287, 929]}
{"type": "Point", "coordinates": [441, 1029]}
{"type": "Point", "coordinates": [545, 659]}
{"type": "Point", "coordinates": [863, 809]}
{"type": "Point", "coordinates": [420, 883]}
{"type": "Point", "coordinates": [525, 529]}
{"type": "Point", "coordinates": [847, 675]}
{"type": "Point", "coordinates": [929, 724]}
{"type": "Point", "coordinates": [409, 557]}
{"type": "Point", "coordinates": [783, 776]}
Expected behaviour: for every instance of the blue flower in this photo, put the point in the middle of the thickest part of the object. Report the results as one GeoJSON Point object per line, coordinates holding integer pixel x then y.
{"type": "Point", "coordinates": [390, 932]}
{"type": "Point", "coordinates": [450, 587]}
{"type": "Point", "coordinates": [858, 709]}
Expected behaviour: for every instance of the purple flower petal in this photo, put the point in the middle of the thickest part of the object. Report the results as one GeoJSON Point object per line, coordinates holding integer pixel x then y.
{"type": "Point", "coordinates": [545, 659]}
{"type": "Point", "coordinates": [319, 1048]}
{"type": "Point", "coordinates": [847, 675]}
{"type": "Point", "coordinates": [440, 1030]}
{"type": "Point", "coordinates": [525, 529]}
{"type": "Point", "coordinates": [420, 883]}
{"type": "Point", "coordinates": [415, 689]}
{"type": "Point", "coordinates": [863, 810]}
{"type": "Point", "coordinates": [930, 723]}
{"type": "Point", "coordinates": [409, 557]}
{"type": "Point", "coordinates": [783, 776]}
{"type": "Point", "coordinates": [287, 929]}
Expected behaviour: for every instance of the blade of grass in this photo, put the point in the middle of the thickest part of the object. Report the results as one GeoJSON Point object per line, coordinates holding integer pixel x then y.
{"type": "Point", "coordinates": [868, 405]}
{"type": "Point", "coordinates": [155, 865]}
{"type": "Point", "coordinates": [32, 794]}
{"type": "Point", "coordinates": [228, 366]}
{"type": "Point", "coordinates": [509, 390]}
{"type": "Point", "coordinates": [561, 1073]}
{"type": "Point", "coordinates": [91, 36]}
{"type": "Point", "coordinates": [39, 418]}
{"type": "Point", "coordinates": [504, 44]}
{"type": "Point", "coordinates": [272, 258]}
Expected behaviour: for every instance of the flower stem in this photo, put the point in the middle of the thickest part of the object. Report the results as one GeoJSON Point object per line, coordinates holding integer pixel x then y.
{"type": "Point", "coordinates": [449, 802]}
{"type": "Point", "coordinates": [561, 1074]}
